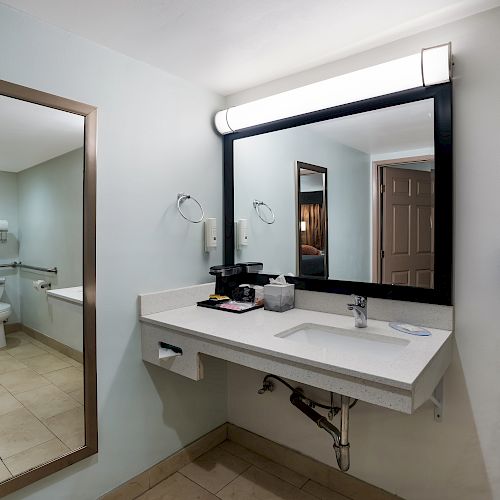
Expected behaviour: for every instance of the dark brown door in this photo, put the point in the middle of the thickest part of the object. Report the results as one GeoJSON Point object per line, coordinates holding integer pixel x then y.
{"type": "Point", "coordinates": [408, 227]}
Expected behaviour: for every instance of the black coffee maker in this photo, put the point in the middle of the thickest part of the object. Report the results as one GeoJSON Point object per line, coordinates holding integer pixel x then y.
{"type": "Point", "coordinates": [228, 278]}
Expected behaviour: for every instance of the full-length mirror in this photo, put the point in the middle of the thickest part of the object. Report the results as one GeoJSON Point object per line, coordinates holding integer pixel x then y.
{"type": "Point", "coordinates": [353, 197]}
{"type": "Point", "coordinates": [43, 161]}
{"type": "Point", "coordinates": [312, 220]}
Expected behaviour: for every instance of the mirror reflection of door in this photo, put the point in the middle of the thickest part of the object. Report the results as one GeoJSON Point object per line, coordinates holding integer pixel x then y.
{"type": "Point", "coordinates": [407, 222]}
{"type": "Point", "coordinates": [312, 215]}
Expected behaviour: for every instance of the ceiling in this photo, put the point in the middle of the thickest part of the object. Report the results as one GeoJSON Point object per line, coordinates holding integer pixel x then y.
{"type": "Point", "coordinates": [231, 45]}
{"type": "Point", "coordinates": [31, 134]}
{"type": "Point", "coordinates": [388, 130]}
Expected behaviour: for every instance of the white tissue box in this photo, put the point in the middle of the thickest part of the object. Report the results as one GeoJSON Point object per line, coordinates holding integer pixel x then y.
{"type": "Point", "coordinates": [279, 297]}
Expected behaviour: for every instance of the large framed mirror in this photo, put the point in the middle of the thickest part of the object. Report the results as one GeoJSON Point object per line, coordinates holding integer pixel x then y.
{"type": "Point", "coordinates": [385, 165]}
{"type": "Point", "coordinates": [48, 403]}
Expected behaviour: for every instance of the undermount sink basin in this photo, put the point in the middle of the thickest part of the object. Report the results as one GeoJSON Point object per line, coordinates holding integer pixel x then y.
{"type": "Point", "coordinates": [339, 339]}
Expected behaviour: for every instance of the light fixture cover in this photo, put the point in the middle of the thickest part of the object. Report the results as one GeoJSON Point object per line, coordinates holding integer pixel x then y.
{"type": "Point", "coordinates": [436, 64]}
{"type": "Point", "coordinates": [426, 68]}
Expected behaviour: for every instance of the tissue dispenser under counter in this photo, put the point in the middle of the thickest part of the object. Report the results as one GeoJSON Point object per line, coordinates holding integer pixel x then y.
{"type": "Point", "coordinates": [278, 297]}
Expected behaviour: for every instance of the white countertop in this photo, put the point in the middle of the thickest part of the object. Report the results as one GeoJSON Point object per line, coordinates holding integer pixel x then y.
{"type": "Point", "coordinates": [257, 330]}
{"type": "Point", "coordinates": [73, 294]}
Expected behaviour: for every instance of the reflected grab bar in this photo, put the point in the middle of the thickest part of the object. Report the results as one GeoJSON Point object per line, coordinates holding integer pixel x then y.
{"type": "Point", "coordinates": [12, 264]}
{"type": "Point", "coordinates": [34, 268]}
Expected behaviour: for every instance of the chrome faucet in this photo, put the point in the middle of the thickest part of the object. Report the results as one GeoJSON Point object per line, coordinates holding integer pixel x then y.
{"type": "Point", "coordinates": [359, 310]}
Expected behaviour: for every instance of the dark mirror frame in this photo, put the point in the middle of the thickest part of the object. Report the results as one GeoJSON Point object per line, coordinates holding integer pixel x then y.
{"type": "Point", "coordinates": [89, 113]}
{"type": "Point", "coordinates": [443, 232]}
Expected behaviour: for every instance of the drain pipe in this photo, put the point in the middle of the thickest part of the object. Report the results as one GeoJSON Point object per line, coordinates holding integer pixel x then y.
{"type": "Point", "coordinates": [340, 438]}
{"type": "Point", "coordinates": [344, 461]}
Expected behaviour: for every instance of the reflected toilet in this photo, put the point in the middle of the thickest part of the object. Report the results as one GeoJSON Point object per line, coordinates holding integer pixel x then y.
{"type": "Point", "coordinates": [5, 310]}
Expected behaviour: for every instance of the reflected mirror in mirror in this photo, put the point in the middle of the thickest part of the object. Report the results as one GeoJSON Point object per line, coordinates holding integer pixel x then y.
{"type": "Point", "coordinates": [312, 217]}
{"type": "Point", "coordinates": [377, 170]}
{"type": "Point", "coordinates": [41, 329]}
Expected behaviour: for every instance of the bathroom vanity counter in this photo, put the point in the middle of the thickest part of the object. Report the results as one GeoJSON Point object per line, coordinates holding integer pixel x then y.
{"type": "Point", "coordinates": [375, 364]}
{"type": "Point", "coordinates": [73, 294]}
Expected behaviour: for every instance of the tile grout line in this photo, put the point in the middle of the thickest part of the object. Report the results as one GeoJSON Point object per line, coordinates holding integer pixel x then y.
{"type": "Point", "coordinates": [250, 465]}
{"type": "Point", "coordinates": [52, 350]}
{"type": "Point", "coordinates": [55, 436]}
{"type": "Point", "coordinates": [309, 493]}
{"type": "Point", "coordinates": [265, 470]}
{"type": "Point", "coordinates": [73, 398]}
{"type": "Point", "coordinates": [239, 475]}
{"type": "Point", "coordinates": [27, 342]}
{"type": "Point", "coordinates": [326, 488]}
{"type": "Point", "coordinates": [45, 347]}
{"type": "Point", "coordinates": [39, 420]}
{"type": "Point", "coordinates": [36, 388]}
{"type": "Point", "coordinates": [60, 439]}
{"type": "Point", "coordinates": [307, 479]}
{"type": "Point", "coordinates": [5, 465]}
{"type": "Point", "coordinates": [234, 479]}
{"type": "Point", "coordinates": [227, 484]}
{"type": "Point", "coordinates": [20, 402]}
{"type": "Point", "coordinates": [188, 478]}
{"type": "Point", "coordinates": [41, 375]}
{"type": "Point", "coordinates": [50, 383]}
{"type": "Point", "coordinates": [21, 360]}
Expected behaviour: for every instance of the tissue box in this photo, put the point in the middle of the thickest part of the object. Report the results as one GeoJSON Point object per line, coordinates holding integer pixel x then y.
{"type": "Point", "coordinates": [279, 297]}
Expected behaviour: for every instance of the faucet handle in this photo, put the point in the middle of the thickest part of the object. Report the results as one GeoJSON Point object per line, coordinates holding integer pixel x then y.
{"type": "Point", "coordinates": [359, 300]}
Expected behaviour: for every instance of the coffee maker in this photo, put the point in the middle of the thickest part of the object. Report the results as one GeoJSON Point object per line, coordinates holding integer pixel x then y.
{"type": "Point", "coordinates": [229, 277]}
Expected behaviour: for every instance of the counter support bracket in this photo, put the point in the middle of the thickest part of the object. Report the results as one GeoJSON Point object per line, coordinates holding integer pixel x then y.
{"type": "Point", "coordinates": [437, 401]}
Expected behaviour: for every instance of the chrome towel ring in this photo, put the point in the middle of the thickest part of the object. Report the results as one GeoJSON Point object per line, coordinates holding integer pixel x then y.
{"type": "Point", "coordinates": [181, 198]}
{"type": "Point", "coordinates": [257, 204]}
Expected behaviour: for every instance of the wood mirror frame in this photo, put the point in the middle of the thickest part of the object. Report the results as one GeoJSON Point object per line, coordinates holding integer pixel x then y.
{"type": "Point", "coordinates": [89, 113]}
{"type": "Point", "coordinates": [443, 260]}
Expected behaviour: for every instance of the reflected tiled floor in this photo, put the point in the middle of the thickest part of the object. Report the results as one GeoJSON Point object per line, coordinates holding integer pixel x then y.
{"type": "Point", "coordinates": [231, 472]}
{"type": "Point", "coordinates": [41, 404]}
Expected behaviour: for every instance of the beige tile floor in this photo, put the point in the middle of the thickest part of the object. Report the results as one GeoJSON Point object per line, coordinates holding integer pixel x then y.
{"type": "Point", "coordinates": [41, 404]}
{"type": "Point", "coordinates": [231, 472]}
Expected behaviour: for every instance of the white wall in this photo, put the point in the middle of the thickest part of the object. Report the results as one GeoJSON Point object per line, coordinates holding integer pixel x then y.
{"type": "Point", "coordinates": [155, 139]}
{"type": "Point", "coordinates": [9, 251]}
{"type": "Point", "coordinates": [50, 200]}
{"type": "Point", "coordinates": [264, 169]}
{"type": "Point", "coordinates": [457, 459]}
{"type": "Point", "coordinates": [402, 154]}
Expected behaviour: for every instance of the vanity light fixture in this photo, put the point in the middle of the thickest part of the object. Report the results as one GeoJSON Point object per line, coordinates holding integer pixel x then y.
{"type": "Point", "coordinates": [436, 64]}
{"type": "Point", "coordinates": [429, 67]}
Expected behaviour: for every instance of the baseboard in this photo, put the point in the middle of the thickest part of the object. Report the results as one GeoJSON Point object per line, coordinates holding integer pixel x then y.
{"type": "Point", "coordinates": [343, 483]}
{"type": "Point", "coordinates": [157, 473]}
{"type": "Point", "coordinates": [12, 327]}
{"type": "Point", "coordinates": [54, 344]}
